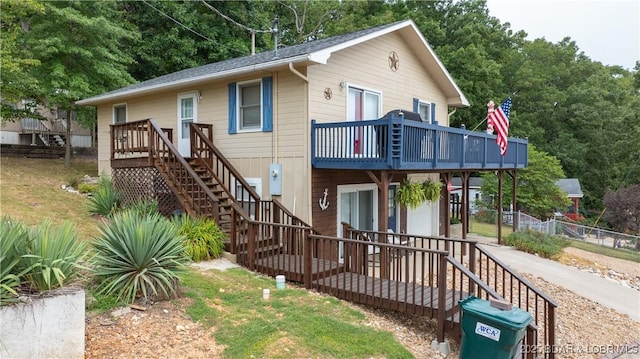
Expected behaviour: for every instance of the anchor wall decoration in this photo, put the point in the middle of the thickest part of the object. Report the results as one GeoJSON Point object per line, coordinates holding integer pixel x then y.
{"type": "Point", "coordinates": [324, 202]}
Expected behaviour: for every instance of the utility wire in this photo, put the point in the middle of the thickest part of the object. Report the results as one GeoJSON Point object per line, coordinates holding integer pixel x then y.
{"type": "Point", "coordinates": [233, 21]}
{"type": "Point", "coordinates": [178, 22]}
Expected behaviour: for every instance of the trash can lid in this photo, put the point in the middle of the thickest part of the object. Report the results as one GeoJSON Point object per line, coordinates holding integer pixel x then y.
{"type": "Point", "coordinates": [515, 317]}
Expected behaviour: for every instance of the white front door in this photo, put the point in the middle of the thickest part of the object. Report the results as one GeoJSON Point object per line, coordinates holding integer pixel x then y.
{"type": "Point", "coordinates": [187, 113]}
{"type": "Point", "coordinates": [357, 205]}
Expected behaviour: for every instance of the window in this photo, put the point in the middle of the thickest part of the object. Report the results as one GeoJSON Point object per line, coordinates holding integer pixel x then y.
{"type": "Point", "coordinates": [426, 110]}
{"type": "Point", "coordinates": [249, 116]}
{"type": "Point", "coordinates": [251, 106]}
{"type": "Point", "coordinates": [120, 113]}
{"type": "Point", "coordinates": [363, 105]}
{"type": "Point", "coordinates": [242, 195]}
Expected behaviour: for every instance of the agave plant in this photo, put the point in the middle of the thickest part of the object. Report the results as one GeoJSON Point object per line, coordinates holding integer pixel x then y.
{"type": "Point", "coordinates": [144, 207]}
{"type": "Point", "coordinates": [203, 237]}
{"type": "Point", "coordinates": [54, 256]}
{"type": "Point", "coordinates": [105, 201]}
{"type": "Point", "coordinates": [138, 255]}
{"type": "Point", "coordinates": [13, 240]}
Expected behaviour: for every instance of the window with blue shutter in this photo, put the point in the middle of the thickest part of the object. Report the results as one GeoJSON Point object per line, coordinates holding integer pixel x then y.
{"type": "Point", "coordinates": [251, 106]}
{"type": "Point", "coordinates": [232, 108]}
{"type": "Point", "coordinates": [426, 110]}
{"type": "Point", "coordinates": [267, 104]}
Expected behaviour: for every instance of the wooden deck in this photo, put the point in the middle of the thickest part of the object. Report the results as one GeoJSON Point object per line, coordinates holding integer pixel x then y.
{"type": "Point", "coordinates": [292, 267]}
{"type": "Point", "coordinates": [407, 297]}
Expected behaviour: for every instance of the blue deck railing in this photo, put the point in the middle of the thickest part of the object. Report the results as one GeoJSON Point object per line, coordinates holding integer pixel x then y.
{"type": "Point", "coordinates": [400, 144]}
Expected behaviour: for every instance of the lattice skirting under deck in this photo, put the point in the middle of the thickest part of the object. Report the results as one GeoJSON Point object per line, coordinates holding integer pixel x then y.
{"type": "Point", "coordinates": [136, 183]}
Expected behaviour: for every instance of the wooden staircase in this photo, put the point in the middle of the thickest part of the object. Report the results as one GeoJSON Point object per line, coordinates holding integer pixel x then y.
{"type": "Point", "coordinates": [266, 237]}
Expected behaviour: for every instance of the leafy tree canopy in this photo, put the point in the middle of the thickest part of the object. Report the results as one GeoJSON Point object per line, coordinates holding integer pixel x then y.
{"type": "Point", "coordinates": [537, 192]}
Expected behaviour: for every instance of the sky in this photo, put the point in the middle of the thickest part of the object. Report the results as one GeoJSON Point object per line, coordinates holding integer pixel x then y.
{"type": "Point", "coordinates": [607, 31]}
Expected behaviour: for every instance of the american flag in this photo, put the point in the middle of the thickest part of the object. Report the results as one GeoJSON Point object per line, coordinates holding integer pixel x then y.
{"type": "Point", "coordinates": [500, 121]}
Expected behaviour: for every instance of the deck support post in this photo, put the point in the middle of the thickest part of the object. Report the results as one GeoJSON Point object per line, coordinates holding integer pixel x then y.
{"type": "Point", "coordinates": [233, 235]}
{"type": "Point", "coordinates": [442, 296]}
{"type": "Point", "coordinates": [251, 245]}
{"type": "Point", "coordinates": [383, 217]}
{"type": "Point", "coordinates": [464, 211]}
{"type": "Point", "coordinates": [514, 185]}
{"type": "Point", "coordinates": [308, 242]}
{"type": "Point", "coordinates": [499, 174]}
{"type": "Point", "coordinates": [445, 202]}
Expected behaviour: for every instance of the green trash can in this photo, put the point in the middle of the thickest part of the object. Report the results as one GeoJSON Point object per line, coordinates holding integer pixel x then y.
{"type": "Point", "coordinates": [489, 332]}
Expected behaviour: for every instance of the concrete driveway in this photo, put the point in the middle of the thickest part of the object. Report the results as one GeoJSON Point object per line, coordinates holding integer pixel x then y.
{"type": "Point", "coordinates": [606, 292]}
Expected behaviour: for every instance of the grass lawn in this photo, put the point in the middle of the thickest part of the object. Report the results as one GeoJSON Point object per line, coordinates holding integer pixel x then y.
{"type": "Point", "coordinates": [487, 229]}
{"type": "Point", "coordinates": [620, 253]}
{"type": "Point", "coordinates": [293, 323]}
{"type": "Point", "coordinates": [30, 192]}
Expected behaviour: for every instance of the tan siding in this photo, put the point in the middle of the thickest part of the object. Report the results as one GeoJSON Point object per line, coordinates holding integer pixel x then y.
{"type": "Point", "coordinates": [251, 153]}
{"type": "Point", "coordinates": [366, 65]}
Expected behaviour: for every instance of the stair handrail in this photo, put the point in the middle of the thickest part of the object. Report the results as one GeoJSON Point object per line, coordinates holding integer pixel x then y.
{"type": "Point", "coordinates": [27, 124]}
{"type": "Point", "coordinates": [295, 220]}
{"type": "Point", "coordinates": [458, 250]}
{"type": "Point", "coordinates": [198, 135]}
{"type": "Point", "coordinates": [146, 138]}
{"type": "Point", "coordinates": [161, 156]}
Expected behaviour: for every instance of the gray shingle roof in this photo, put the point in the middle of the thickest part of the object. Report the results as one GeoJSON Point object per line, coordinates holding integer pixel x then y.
{"type": "Point", "coordinates": [571, 186]}
{"type": "Point", "coordinates": [474, 182]}
{"type": "Point", "coordinates": [246, 61]}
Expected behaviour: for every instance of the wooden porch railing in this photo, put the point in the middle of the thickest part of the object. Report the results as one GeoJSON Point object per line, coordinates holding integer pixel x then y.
{"type": "Point", "coordinates": [504, 282]}
{"type": "Point", "coordinates": [234, 184]}
{"type": "Point", "coordinates": [145, 139]}
{"type": "Point", "coordinates": [395, 143]}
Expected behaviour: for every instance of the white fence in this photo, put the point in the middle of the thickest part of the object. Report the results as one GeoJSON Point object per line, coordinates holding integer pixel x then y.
{"type": "Point", "coordinates": [595, 235]}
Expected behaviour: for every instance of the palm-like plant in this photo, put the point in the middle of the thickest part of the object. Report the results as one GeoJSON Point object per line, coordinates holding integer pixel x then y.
{"type": "Point", "coordinates": [54, 256]}
{"type": "Point", "coordinates": [138, 255]}
{"type": "Point", "coordinates": [105, 201]}
{"type": "Point", "coordinates": [13, 240]}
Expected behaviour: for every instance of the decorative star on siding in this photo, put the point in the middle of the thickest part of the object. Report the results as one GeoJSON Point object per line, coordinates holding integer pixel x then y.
{"type": "Point", "coordinates": [394, 61]}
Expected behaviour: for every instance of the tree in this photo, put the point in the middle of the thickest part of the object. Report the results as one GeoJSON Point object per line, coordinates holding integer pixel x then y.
{"type": "Point", "coordinates": [16, 61]}
{"type": "Point", "coordinates": [78, 45]}
{"type": "Point", "coordinates": [623, 209]}
{"type": "Point", "coordinates": [536, 190]}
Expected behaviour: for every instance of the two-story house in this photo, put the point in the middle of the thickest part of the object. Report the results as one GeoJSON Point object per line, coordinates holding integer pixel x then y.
{"type": "Point", "coordinates": [282, 146]}
{"type": "Point", "coordinates": [293, 122]}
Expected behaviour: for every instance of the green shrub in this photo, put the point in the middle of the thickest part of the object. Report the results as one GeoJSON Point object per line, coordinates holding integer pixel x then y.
{"type": "Point", "coordinates": [144, 207]}
{"type": "Point", "coordinates": [74, 181]}
{"type": "Point", "coordinates": [105, 201]}
{"type": "Point", "coordinates": [487, 216]}
{"type": "Point", "coordinates": [545, 245]}
{"type": "Point", "coordinates": [13, 242]}
{"type": "Point", "coordinates": [54, 256]}
{"type": "Point", "coordinates": [202, 237]}
{"type": "Point", "coordinates": [88, 187]}
{"type": "Point", "coordinates": [138, 256]}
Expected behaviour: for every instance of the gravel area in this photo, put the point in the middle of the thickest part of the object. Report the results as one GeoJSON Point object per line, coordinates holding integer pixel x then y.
{"type": "Point", "coordinates": [585, 329]}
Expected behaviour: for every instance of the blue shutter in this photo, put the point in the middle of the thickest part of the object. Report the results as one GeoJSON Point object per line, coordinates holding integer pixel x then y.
{"type": "Point", "coordinates": [267, 104]}
{"type": "Point", "coordinates": [416, 105]}
{"type": "Point", "coordinates": [433, 113]}
{"type": "Point", "coordinates": [233, 121]}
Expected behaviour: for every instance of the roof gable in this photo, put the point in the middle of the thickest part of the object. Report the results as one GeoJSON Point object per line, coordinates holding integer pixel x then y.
{"type": "Point", "coordinates": [317, 51]}
{"type": "Point", "coordinates": [571, 186]}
